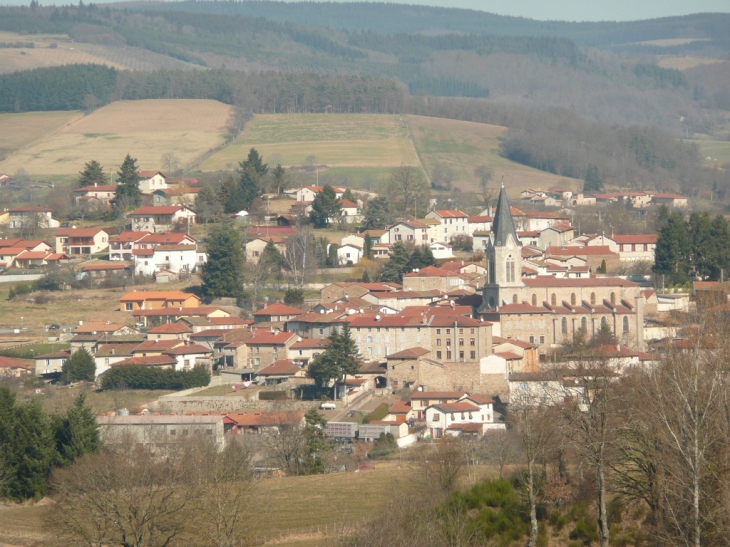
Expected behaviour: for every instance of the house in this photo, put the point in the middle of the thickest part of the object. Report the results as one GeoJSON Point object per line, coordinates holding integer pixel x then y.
{"type": "Point", "coordinates": [175, 196]}
{"type": "Point", "coordinates": [279, 371]}
{"type": "Point", "coordinates": [104, 327]}
{"type": "Point", "coordinates": [153, 300]}
{"type": "Point", "coordinates": [449, 419]}
{"type": "Point", "coordinates": [670, 200]}
{"type": "Point", "coordinates": [420, 400]}
{"type": "Point", "coordinates": [479, 223]}
{"type": "Point", "coordinates": [409, 231]}
{"type": "Point", "coordinates": [179, 330]}
{"type": "Point", "coordinates": [453, 223]}
{"type": "Point", "coordinates": [108, 354]}
{"type": "Point", "coordinates": [96, 196]}
{"type": "Point", "coordinates": [432, 278]}
{"type": "Point", "coordinates": [159, 430]}
{"type": "Point", "coordinates": [259, 423]}
{"type": "Point", "coordinates": [6, 180]}
{"type": "Point", "coordinates": [81, 241]}
{"type": "Point", "coordinates": [13, 368]}
{"type": "Point", "coordinates": [191, 355]}
{"type": "Point", "coordinates": [556, 236]}
{"type": "Point", "coordinates": [38, 259]}
{"type": "Point", "coordinates": [149, 181]}
{"type": "Point", "coordinates": [105, 269]}
{"type": "Point", "coordinates": [159, 316]}
{"type": "Point", "coordinates": [255, 247]}
{"type": "Point", "coordinates": [276, 313]}
{"type": "Point", "coordinates": [308, 193]}
{"type": "Point", "coordinates": [305, 349]}
{"type": "Point", "coordinates": [163, 362]}
{"type": "Point", "coordinates": [121, 246]}
{"type": "Point", "coordinates": [50, 364]}
{"type": "Point", "coordinates": [349, 212]}
{"type": "Point", "coordinates": [636, 247]}
{"type": "Point", "coordinates": [441, 250]}
{"type": "Point", "coordinates": [349, 254]}
{"type": "Point", "coordinates": [31, 214]}
{"type": "Point", "coordinates": [594, 255]}
{"type": "Point", "coordinates": [175, 259]}
{"type": "Point", "coordinates": [161, 219]}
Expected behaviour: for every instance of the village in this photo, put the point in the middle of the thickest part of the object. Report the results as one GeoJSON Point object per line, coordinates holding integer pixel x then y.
{"type": "Point", "coordinates": [440, 353]}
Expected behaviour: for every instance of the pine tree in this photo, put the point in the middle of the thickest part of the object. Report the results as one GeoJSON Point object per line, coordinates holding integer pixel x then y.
{"type": "Point", "coordinates": [79, 367]}
{"type": "Point", "coordinates": [378, 214]}
{"type": "Point", "coordinates": [271, 257]}
{"type": "Point", "coordinates": [207, 204]}
{"type": "Point", "coordinates": [316, 444]}
{"type": "Point", "coordinates": [348, 195]}
{"type": "Point", "coordinates": [280, 179]}
{"type": "Point", "coordinates": [252, 169]}
{"type": "Point", "coordinates": [340, 358]}
{"type": "Point", "coordinates": [128, 195]}
{"type": "Point", "coordinates": [671, 256]}
{"type": "Point", "coordinates": [365, 277]}
{"type": "Point", "coordinates": [325, 207]}
{"type": "Point", "coordinates": [332, 259]}
{"type": "Point", "coordinates": [231, 196]}
{"type": "Point", "coordinates": [92, 174]}
{"type": "Point", "coordinates": [592, 181]}
{"type": "Point", "coordinates": [77, 433]}
{"type": "Point", "coordinates": [367, 250]}
{"type": "Point", "coordinates": [222, 274]}
{"type": "Point", "coordinates": [397, 264]}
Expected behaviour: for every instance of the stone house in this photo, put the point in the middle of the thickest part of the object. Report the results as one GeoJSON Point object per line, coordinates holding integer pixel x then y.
{"type": "Point", "coordinates": [50, 364]}
{"type": "Point", "coordinates": [42, 217]}
{"type": "Point", "coordinates": [256, 246]}
{"type": "Point", "coordinates": [410, 231]}
{"type": "Point", "coordinates": [432, 278]}
{"type": "Point", "coordinates": [452, 223]}
{"type": "Point", "coordinates": [160, 219]}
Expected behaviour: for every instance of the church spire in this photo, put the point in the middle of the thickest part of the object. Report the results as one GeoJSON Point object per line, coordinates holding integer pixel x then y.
{"type": "Point", "coordinates": [503, 226]}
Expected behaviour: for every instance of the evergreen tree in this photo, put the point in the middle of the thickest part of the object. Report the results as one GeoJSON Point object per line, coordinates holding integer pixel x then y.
{"type": "Point", "coordinates": [721, 249]}
{"type": "Point", "coordinates": [397, 264]}
{"type": "Point", "coordinates": [592, 181]}
{"type": "Point", "coordinates": [702, 249]}
{"type": "Point", "coordinates": [367, 250]}
{"type": "Point", "coordinates": [222, 274]}
{"type": "Point", "coordinates": [324, 207]}
{"type": "Point", "coordinates": [77, 433]}
{"type": "Point", "coordinates": [294, 297]}
{"type": "Point", "coordinates": [421, 257]}
{"type": "Point", "coordinates": [255, 161]}
{"type": "Point", "coordinates": [79, 367]}
{"type": "Point", "coordinates": [365, 277]}
{"type": "Point", "coordinates": [316, 444]}
{"type": "Point", "coordinates": [378, 214]}
{"type": "Point", "coordinates": [280, 178]}
{"type": "Point", "coordinates": [92, 174]}
{"type": "Point", "coordinates": [348, 194]}
{"type": "Point", "coordinates": [231, 196]}
{"type": "Point", "coordinates": [603, 268]}
{"type": "Point", "coordinates": [673, 249]}
{"type": "Point", "coordinates": [271, 257]}
{"type": "Point", "coordinates": [128, 194]}
{"type": "Point", "coordinates": [207, 204]}
{"type": "Point", "coordinates": [252, 169]}
{"type": "Point", "coordinates": [340, 358]}
{"type": "Point", "coordinates": [332, 259]}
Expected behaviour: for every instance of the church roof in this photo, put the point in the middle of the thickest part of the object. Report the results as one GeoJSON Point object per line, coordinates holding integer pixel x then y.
{"type": "Point", "coordinates": [502, 227]}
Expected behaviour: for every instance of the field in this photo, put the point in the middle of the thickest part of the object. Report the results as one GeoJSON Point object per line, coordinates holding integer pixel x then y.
{"type": "Point", "coordinates": [463, 146]}
{"type": "Point", "coordinates": [145, 129]}
{"type": "Point", "coordinates": [718, 152]}
{"type": "Point", "coordinates": [684, 62]}
{"type": "Point", "coordinates": [18, 130]}
{"type": "Point", "coordinates": [336, 140]}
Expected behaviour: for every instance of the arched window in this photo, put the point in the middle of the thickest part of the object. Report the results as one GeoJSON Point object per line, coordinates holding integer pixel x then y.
{"type": "Point", "coordinates": [613, 298]}
{"type": "Point", "coordinates": [534, 300]}
{"type": "Point", "coordinates": [584, 325]}
{"type": "Point", "coordinates": [626, 325]}
{"type": "Point", "coordinates": [514, 299]}
{"type": "Point", "coordinates": [553, 299]}
{"type": "Point", "coordinates": [572, 299]}
{"type": "Point", "coordinates": [564, 326]}
{"type": "Point", "coordinates": [593, 298]}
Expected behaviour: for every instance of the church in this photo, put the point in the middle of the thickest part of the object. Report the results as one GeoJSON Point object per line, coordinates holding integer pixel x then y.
{"type": "Point", "coordinates": [548, 311]}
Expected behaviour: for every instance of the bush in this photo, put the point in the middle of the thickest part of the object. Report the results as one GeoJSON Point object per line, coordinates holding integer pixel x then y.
{"type": "Point", "coordinates": [377, 414]}
{"type": "Point", "coordinates": [272, 396]}
{"type": "Point", "coordinates": [586, 531]}
{"type": "Point", "coordinates": [384, 445]}
{"type": "Point", "coordinates": [143, 377]}
{"type": "Point", "coordinates": [294, 296]}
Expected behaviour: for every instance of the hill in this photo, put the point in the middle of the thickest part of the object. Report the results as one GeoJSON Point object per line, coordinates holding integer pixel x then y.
{"type": "Point", "coordinates": [145, 129]}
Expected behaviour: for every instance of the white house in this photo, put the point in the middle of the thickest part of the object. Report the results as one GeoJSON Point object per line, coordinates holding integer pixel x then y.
{"type": "Point", "coordinates": [409, 231]}
{"type": "Point", "coordinates": [349, 254]}
{"type": "Point", "coordinates": [453, 223]}
{"type": "Point", "coordinates": [149, 181]}
{"type": "Point", "coordinates": [307, 193]}
{"type": "Point", "coordinates": [175, 258]}
{"type": "Point", "coordinates": [97, 195]}
{"type": "Point", "coordinates": [480, 223]}
{"type": "Point", "coordinates": [636, 247]}
{"type": "Point", "coordinates": [474, 411]}
{"type": "Point", "coordinates": [441, 250]}
{"type": "Point", "coordinates": [41, 216]}
{"type": "Point", "coordinates": [350, 211]}
{"type": "Point", "coordinates": [160, 219]}
{"type": "Point", "coordinates": [353, 239]}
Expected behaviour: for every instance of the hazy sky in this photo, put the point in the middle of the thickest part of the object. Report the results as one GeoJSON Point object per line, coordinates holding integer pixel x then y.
{"type": "Point", "coordinates": [585, 10]}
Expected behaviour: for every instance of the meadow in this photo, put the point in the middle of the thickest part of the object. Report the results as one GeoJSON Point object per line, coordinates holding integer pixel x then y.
{"type": "Point", "coordinates": [718, 152]}
{"type": "Point", "coordinates": [144, 129]}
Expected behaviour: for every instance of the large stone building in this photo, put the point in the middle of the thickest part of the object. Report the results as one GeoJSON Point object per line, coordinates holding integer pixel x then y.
{"type": "Point", "coordinates": [548, 311]}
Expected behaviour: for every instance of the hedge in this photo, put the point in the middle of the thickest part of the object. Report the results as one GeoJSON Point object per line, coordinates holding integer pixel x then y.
{"type": "Point", "coordinates": [273, 396]}
{"type": "Point", "coordinates": [144, 377]}
{"type": "Point", "coordinates": [377, 414]}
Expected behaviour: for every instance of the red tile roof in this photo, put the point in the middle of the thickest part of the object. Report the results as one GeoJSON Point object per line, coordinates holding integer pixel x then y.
{"type": "Point", "coordinates": [450, 213]}
{"type": "Point", "coordinates": [97, 326]}
{"type": "Point", "coordinates": [79, 232]}
{"type": "Point", "coordinates": [437, 394]}
{"type": "Point", "coordinates": [136, 296]}
{"type": "Point", "coordinates": [271, 338]}
{"type": "Point", "coordinates": [282, 367]}
{"type": "Point", "coordinates": [102, 267]}
{"type": "Point", "coordinates": [170, 328]}
{"type": "Point", "coordinates": [102, 188]}
{"type": "Point", "coordinates": [311, 343]}
{"type": "Point", "coordinates": [152, 210]}
{"type": "Point", "coordinates": [431, 271]}
{"type": "Point", "coordinates": [7, 362]}
{"type": "Point", "coordinates": [127, 237]}
{"type": "Point", "coordinates": [174, 238]}
{"type": "Point", "coordinates": [272, 230]}
{"type": "Point", "coordinates": [149, 360]}
{"type": "Point", "coordinates": [189, 349]}
{"type": "Point", "coordinates": [410, 353]}
{"type": "Point", "coordinates": [545, 281]}
{"type": "Point", "coordinates": [600, 250]}
{"type": "Point", "coordinates": [636, 238]}
{"type": "Point", "coordinates": [279, 309]}
{"type": "Point", "coordinates": [479, 219]}
{"type": "Point", "coordinates": [348, 204]}
{"type": "Point", "coordinates": [157, 345]}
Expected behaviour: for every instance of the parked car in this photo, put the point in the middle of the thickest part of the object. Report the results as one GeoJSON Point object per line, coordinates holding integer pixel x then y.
{"type": "Point", "coordinates": [54, 326]}
{"type": "Point", "coordinates": [328, 406]}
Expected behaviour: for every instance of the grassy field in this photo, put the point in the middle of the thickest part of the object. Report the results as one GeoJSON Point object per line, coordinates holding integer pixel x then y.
{"type": "Point", "coordinates": [463, 146]}
{"type": "Point", "coordinates": [19, 130]}
{"type": "Point", "coordinates": [717, 151]}
{"type": "Point", "coordinates": [145, 129]}
{"type": "Point", "coordinates": [684, 62]}
{"type": "Point", "coordinates": [335, 140]}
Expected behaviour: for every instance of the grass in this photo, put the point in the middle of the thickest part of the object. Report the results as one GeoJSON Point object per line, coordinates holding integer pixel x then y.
{"type": "Point", "coordinates": [28, 351]}
{"type": "Point", "coordinates": [463, 146]}
{"type": "Point", "coordinates": [145, 129]}
{"type": "Point", "coordinates": [17, 130]}
{"type": "Point", "coordinates": [336, 140]}
{"type": "Point", "coordinates": [717, 151]}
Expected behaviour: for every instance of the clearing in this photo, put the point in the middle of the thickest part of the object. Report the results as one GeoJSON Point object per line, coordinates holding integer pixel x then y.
{"type": "Point", "coordinates": [145, 129]}
{"type": "Point", "coordinates": [464, 146]}
{"type": "Point", "coordinates": [718, 152]}
{"type": "Point", "coordinates": [335, 140]}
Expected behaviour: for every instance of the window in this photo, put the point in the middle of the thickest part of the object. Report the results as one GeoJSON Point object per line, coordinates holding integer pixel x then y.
{"type": "Point", "coordinates": [514, 299]}
{"type": "Point", "coordinates": [461, 355]}
{"type": "Point", "coordinates": [438, 331]}
{"type": "Point", "coordinates": [564, 326]}
{"type": "Point", "coordinates": [472, 342]}
{"type": "Point", "coordinates": [172, 432]}
{"type": "Point", "coordinates": [448, 331]}
{"type": "Point", "coordinates": [626, 325]}
{"type": "Point", "coordinates": [438, 341]}
{"type": "Point", "coordinates": [532, 339]}
{"type": "Point", "coordinates": [542, 339]}
{"type": "Point", "coordinates": [613, 298]}
{"type": "Point", "coordinates": [461, 331]}
{"type": "Point", "coordinates": [593, 298]}
{"type": "Point", "coordinates": [472, 331]}
{"type": "Point", "coordinates": [553, 299]}
{"type": "Point", "coordinates": [453, 416]}
{"type": "Point", "coordinates": [472, 355]}
{"type": "Point", "coordinates": [510, 269]}
{"type": "Point", "coordinates": [584, 324]}
{"type": "Point", "coordinates": [448, 341]}
{"type": "Point", "coordinates": [437, 417]}
{"type": "Point", "coordinates": [534, 300]}
{"type": "Point", "coordinates": [128, 306]}
{"type": "Point", "coordinates": [438, 355]}
{"type": "Point", "coordinates": [572, 299]}
{"type": "Point", "coordinates": [461, 341]}
{"type": "Point", "coordinates": [448, 354]}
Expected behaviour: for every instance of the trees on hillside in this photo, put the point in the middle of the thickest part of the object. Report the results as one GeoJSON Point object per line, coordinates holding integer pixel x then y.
{"type": "Point", "coordinates": [128, 195]}
{"type": "Point", "coordinates": [222, 274]}
{"type": "Point", "coordinates": [403, 259]}
{"type": "Point", "coordinates": [91, 174]}
{"type": "Point", "coordinates": [592, 181]}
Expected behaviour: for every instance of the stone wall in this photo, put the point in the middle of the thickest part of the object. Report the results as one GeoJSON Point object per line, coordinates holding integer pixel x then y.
{"type": "Point", "coordinates": [227, 404]}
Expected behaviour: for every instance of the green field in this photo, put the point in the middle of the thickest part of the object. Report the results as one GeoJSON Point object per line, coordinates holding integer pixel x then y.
{"type": "Point", "coordinates": [717, 151]}
{"type": "Point", "coordinates": [334, 140]}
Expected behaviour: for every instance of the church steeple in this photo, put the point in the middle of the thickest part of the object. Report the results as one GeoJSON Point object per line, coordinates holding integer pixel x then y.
{"type": "Point", "coordinates": [502, 225]}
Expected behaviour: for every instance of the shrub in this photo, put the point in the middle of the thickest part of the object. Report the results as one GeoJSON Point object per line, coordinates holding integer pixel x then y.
{"type": "Point", "coordinates": [143, 377]}
{"type": "Point", "coordinates": [384, 445]}
{"type": "Point", "coordinates": [294, 296]}
{"type": "Point", "coordinates": [586, 531]}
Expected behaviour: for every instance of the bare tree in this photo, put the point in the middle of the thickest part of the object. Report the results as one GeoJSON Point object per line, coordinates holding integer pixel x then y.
{"type": "Point", "coordinates": [500, 448]}
{"type": "Point", "coordinates": [484, 174]}
{"type": "Point", "coordinates": [170, 162]}
{"type": "Point", "coordinates": [300, 257]}
{"type": "Point", "coordinates": [407, 184]}
{"type": "Point", "coordinates": [438, 467]}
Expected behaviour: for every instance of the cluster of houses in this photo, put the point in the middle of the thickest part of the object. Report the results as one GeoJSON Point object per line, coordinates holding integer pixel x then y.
{"type": "Point", "coordinates": [636, 200]}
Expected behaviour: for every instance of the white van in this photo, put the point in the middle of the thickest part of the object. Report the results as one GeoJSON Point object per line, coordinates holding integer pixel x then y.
{"type": "Point", "coordinates": [328, 406]}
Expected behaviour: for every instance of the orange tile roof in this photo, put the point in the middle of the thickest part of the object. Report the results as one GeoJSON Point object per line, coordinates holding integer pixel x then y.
{"type": "Point", "coordinates": [136, 296]}
{"type": "Point", "coordinates": [450, 213]}
{"type": "Point", "coordinates": [410, 353]}
{"type": "Point", "coordinates": [279, 309]}
{"type": "Point", "coordinates": [170, 328]}
{"type": "Point", "coordinates": [152, 210]}
{"type": "Point", "coordinates": [280, 368]}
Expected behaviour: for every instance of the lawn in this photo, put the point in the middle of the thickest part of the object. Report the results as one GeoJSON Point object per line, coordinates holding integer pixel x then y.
{"type": "Point", "coordinates": [463, 146]}
{"type": "Point", "coordinates": [335, 140]}
{"type": "Point", "coordinates": [717, 151]}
